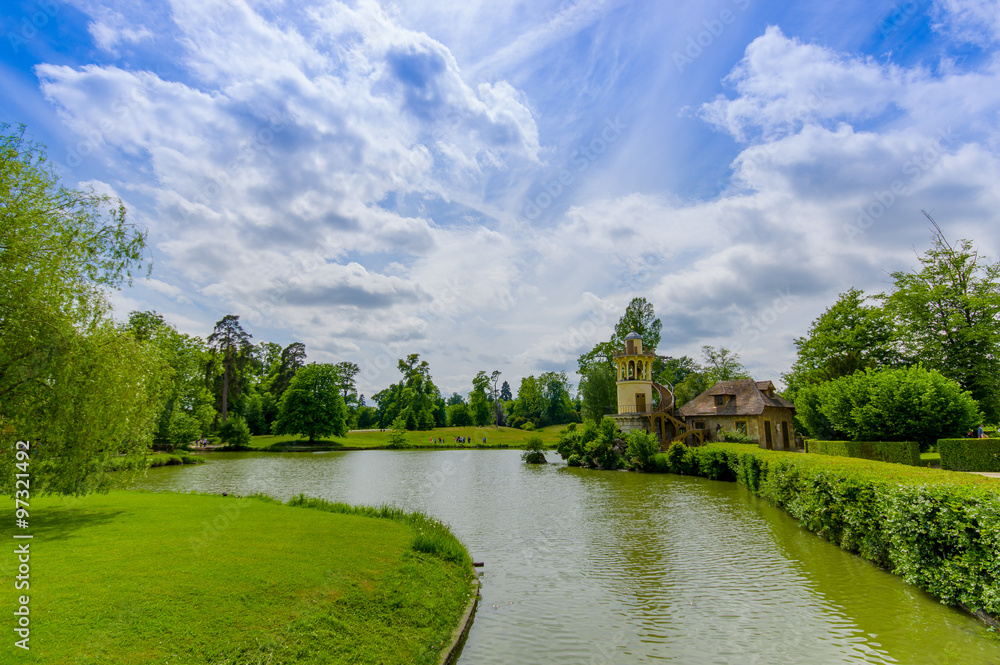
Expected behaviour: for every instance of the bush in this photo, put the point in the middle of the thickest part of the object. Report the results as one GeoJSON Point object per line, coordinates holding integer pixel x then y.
{"type": "Point", "coordinates": [736, 436]}
{"type": "Point", "coordinates": [397, 435]}
{"type": "Point", "coordinates": [640, 447]}
{"type": "Point", "coordinates": [534, 452]}
{"type": "Point", "coordinates": [970, 454]}
{"type": "Point", "coordinates": [235, 433]}
{"type": "Point", "coordinates": [900, 452]}
{"type": "Point", "coordinates": [679, 459]}
{"type": "Point", "coordinates": [528, 426]}
{"type": "Point", "coordinates": [912, 404]}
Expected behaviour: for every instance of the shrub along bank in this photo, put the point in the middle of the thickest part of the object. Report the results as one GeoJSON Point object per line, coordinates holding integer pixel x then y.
{"type": "Point", "coordinates": [938, 530]}
{"type": "Point", "coordinates": [900, 452]}
{"type": "Point", "coordinates": [969, 454]}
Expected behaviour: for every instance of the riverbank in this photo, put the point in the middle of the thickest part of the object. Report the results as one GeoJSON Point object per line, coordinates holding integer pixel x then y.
{"type": "Point", "coordinates": [440, 438]}
{"type": "Point", "coordinates": [938, 530]}
{"type": "Point", "coordinates": [161, 577]}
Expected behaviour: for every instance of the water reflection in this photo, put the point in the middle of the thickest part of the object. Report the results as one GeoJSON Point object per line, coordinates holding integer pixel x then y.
{"type": "Point", "coordinates": [596, 567]}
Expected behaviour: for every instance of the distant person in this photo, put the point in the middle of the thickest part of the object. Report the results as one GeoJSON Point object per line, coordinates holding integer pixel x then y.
{"type": "Point", "coordinates": [980, 434]}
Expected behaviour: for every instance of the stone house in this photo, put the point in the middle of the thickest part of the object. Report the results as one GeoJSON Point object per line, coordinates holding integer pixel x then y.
{"type": "Point", "coordinates": [745, 405]}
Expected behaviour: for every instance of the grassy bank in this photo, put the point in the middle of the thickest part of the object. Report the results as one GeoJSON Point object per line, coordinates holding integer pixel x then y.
{"type": "Point", "coordinates": [134, 577]}
{"type": "Point", "coordinates": [939, 530]}
{"type": "Point", "coordinates": [504, 437]}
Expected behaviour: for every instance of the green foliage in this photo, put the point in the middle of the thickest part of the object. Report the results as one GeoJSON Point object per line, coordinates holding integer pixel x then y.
{"type": "Point", "coordinates": [969, 454]}
{"type": "Point", "coordinates": [899, 452]}
{"type": "Point", "coordinates": [235, 433]}
{"type": "Point", "coordinates": [459, 416]}
{"type": "Point", "coordinates": [232, 359]}
{"type": "Point", "coordinates": [597, 446]}
{"type": "Point", "coordinates": [912, 404]}
{"type": "Point", "coordinates": [736, 436]}
{"type": "Point", "coordinates": [679, 459]}
{"type": "Point", "coordinates": [534, 450]}
{"type": "Point", "coordinates": [598, 389]}
{"type": "Point", "coordinates": [76, 386]}
{"type": "Point", "coordinates": [397, 435]}
{"type": "Point", "coordinates": [848, 337]}
{"type": "Point", "coordinates": [312, 405]}
{"type": "Point", "coordinates": [722, 365]}
{"type": "Point", "coordinates": [479, 405]}
{"type": "Point", "coordinates": [946, 315]}
{"type": "Point", "coordinates": [640, 447]}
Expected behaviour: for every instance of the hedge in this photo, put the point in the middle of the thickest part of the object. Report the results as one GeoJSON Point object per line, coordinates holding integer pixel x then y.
{"type": "Point", "coordinates": [938, 530]}
{"type": "Point", "coordinates": [900, 452]}
{"type": "Point", "coordinates": [969, 454]}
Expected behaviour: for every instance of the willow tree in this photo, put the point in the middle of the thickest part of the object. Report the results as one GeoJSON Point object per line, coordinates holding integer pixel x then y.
{"type": "Point", "coordinates": [74, 385]}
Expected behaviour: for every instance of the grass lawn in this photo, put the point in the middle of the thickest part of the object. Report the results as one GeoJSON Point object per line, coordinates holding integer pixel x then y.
{"type": "Point", "coordinates": [505, 437]}
{"type": "Point", "coordinates": [930, 459]}
{"type": "Point", "coordinates": [133, 577]}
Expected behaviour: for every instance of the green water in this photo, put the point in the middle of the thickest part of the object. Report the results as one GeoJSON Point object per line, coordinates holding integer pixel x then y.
{"type": "Point", "coordinates": [613, 567]}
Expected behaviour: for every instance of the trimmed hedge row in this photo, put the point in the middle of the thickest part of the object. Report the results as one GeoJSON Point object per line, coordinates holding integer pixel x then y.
{"type": "Point", "coordinates": [969, 454]}
{"type": "Point", "coordinates": [900, 452]}
{"type": "Point", "coordinates": [936, 529]}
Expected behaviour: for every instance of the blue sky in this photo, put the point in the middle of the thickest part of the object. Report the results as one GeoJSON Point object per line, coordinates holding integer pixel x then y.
{"type": "Point", "coordinates": [488, 184]}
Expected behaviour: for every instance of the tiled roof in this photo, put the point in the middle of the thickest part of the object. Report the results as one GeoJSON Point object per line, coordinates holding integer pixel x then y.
{"type": "Point", "coordinates": [747, 398]}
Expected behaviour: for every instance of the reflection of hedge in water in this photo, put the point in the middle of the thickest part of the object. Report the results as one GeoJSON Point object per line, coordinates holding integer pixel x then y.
{"type": "Point", "coordinates": [938, 530]}
{"type": "Point", "coordinates": [969, 454]}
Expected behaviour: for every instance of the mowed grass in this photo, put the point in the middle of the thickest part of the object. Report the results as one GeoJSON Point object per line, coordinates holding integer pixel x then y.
{"type": "Point", "coordinates": [133, 577]}
{"type": "Point", "coordinates": [504, 437]}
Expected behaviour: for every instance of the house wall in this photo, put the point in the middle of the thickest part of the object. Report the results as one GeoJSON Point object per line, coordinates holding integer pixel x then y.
{"type": "Point", "coordinates": [755, 426]}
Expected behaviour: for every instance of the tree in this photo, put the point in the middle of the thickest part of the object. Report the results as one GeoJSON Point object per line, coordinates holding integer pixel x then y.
{"type": "Point", "coordinates": [558, 406]}
{"type": "Point", "coordinates": [849, 336]}
{"type": "Point", "coordinates": [722, 365]}
{"type": "Point", "coordinates": [186, 411]}
{"type": "Point", "coordinates": [496, 403]}
{"type": "Point", "coordinates": [598, 389]}
{"type": "Point", "coordinates": [312, 405]}
{"type": "Point", "coordinates": [479, 405]}
{"type": "Point", "coordinates": [455, 399]}
{"type": "Point", "coordinates": [229, 340]}
{"type": "Point", "coordinates": [639, 317]}
{"type": "Point", "coordinates": [529, 403]}
{"type": "Point", "coordinates": [912, 404]}
{"type": "Point", "coordinates": [78, 388]}
{"type": "Point", "coordinates": [347, 371]}
{"type": "Point", "coordinates": [505, 394]}
{"type": "Point", "coordinates": [675, 370]}
{"type": "Point", "coordinates": [947, 316]}
{"type": "Point", "coordinates": [459, 416]}
{"type": "Point", "coordinates": [291, 360]}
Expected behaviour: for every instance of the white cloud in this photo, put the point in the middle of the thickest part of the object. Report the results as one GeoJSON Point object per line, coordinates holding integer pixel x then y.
{"type": "Point", "coordinates": [973, 21]}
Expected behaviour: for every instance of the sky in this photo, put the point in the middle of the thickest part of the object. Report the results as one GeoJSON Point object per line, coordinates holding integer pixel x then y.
{"type": "Point", "coordinates": [489, 184]}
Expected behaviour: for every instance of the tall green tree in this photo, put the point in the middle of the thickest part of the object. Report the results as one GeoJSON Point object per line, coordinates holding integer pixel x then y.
{"type": "Point", "coordinates": [312, 405]}
{"type": "Point", "coordinates": [558, 405]}
{"type": "Point", "coordinates": [80, 389]}
{"type": "Point", "coordinates": [231, 346]}
{"type": "Point", "coordinates": [851, 335]}
{"type": "Point", "coordinates": [947, 316]}
{"type": "Point", "coordinates": [721, 364]}
{"type": "Point", "coordinates": [479, 401]}
{"type": "Point", "coordinates": [187, 411]}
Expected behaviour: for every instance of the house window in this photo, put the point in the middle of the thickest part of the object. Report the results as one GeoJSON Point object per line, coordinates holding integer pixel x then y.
{"type": "Point", "coordinates": [720, 400]}
{"type": "Point", "coordinates": [741, 426]}
{"type": "Point", "coordinates": [699, 424]}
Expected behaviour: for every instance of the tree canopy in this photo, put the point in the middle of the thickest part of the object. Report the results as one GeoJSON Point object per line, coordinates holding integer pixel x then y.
{"type": "Point", "coordinates": [312, 406]}
{"type": "Point", "coordinates": [79, 388]}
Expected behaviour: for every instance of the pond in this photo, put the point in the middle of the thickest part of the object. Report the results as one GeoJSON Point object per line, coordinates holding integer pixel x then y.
{"type": "Point", "coordinates": [613, 567]}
